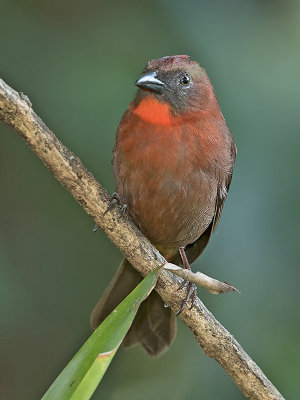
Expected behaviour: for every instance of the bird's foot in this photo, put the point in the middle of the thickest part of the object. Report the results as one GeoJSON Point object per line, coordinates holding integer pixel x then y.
{"type": "Point", "coordinates": [113, 202]}
{"type": "Point", "coordinates": [116, 201]}
{"type": "Point", "coordinates": [191, 295]}
{"type": "Point", "coordinates": [191, 287]}
{"type": "Point", "coordinates": [183, 285]}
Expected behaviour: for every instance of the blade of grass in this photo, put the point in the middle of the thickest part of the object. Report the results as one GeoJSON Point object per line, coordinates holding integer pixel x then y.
{"type": "Point", "coordinates": [84, 372]}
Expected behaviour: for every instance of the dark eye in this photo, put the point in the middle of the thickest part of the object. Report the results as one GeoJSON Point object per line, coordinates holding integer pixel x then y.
{"type": "Point", "coordinates": [185, 80]}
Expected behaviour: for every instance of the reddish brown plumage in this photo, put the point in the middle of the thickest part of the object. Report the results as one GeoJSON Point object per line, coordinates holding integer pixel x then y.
{"type": "Point", "coordinates": [173, 160]}
{"type": "Point", "coordinates": [168, 175]}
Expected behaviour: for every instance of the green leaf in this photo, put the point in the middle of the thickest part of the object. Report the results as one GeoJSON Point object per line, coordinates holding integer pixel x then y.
{"type": "Point", "coordinates": [82, 375]}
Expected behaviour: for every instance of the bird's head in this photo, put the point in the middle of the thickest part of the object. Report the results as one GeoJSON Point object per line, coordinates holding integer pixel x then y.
{"type": "Point", "coordinates": [173, 84]}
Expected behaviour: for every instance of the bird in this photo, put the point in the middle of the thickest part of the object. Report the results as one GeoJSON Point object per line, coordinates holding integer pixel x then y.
{"type": "Point", "coordinates": [173, 161]}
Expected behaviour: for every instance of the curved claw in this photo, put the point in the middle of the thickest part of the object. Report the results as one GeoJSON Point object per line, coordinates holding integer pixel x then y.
{"type": "Point", "coordinates": [96, 227]}
{"type": "Point", "coordinates": [115, 200]}
{"type": "Point", "coordinates": [191, 294]}
{"type": "Point", "coordinates": [183, 285]}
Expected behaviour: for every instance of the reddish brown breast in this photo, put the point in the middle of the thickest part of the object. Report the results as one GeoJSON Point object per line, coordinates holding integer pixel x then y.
{"type": "Point", "coordinates": [167, 171]}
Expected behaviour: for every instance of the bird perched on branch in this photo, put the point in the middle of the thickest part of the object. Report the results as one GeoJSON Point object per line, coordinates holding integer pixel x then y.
{"type": "Point", "coordinates": [173, 161]}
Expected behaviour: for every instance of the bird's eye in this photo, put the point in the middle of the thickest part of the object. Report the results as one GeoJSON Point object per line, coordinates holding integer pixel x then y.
{"type": "Point", "coordinates": [185, 80]}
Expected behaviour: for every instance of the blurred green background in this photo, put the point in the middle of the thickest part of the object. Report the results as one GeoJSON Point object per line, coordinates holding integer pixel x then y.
{"type": "Point", "coordinates": [78, 61]}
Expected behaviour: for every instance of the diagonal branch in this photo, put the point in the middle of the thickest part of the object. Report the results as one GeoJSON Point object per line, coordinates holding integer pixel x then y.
{"type": "Point", "coordinates": [215, 340]}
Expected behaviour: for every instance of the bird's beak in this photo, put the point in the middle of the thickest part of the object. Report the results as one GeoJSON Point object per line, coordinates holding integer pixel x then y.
{"type": "Point", "coordinates": [150, 82]}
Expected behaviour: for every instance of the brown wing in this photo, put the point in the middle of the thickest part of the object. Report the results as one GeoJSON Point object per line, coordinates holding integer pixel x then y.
{"type": "Point", "coordinates": [195, 249]}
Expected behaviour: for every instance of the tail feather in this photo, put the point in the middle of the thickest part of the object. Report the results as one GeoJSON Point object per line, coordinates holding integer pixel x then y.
{"type": "Point", "coordinates": [154, 326]}
{"type": "Point", "coordinates": [123, 282]}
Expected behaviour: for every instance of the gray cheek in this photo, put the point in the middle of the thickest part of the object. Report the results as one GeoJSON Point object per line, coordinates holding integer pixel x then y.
{"type": "Point", "coordinates": [178, 99]}
{"type": "Point", "coordinates": [176, 95]}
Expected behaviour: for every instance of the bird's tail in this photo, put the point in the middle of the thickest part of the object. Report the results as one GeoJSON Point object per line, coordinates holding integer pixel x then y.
{"type": "Point", "coordinates": [154, 326]}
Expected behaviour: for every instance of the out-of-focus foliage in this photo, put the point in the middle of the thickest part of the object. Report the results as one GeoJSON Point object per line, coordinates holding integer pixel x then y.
{"type": "Point", "coordinates": [77, 61]}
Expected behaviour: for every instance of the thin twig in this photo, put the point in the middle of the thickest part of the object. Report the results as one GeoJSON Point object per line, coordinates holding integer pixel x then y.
{"type": "Point", "coordinates": [215, 340]}
{"type": "Point", "coordinates": [212, 285]}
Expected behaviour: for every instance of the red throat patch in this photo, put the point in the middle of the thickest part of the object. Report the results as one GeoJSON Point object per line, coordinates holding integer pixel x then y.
{"type": "Point", "coordinates": [154, 112]}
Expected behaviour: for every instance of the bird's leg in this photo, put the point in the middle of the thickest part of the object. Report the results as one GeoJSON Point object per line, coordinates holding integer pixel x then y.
{"type": "Point", "coordinates": [113, 201]}
{"type": "Point", "coordinates": [191, 287]}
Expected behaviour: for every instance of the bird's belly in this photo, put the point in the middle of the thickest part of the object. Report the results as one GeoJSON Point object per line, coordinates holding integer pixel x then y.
{"type": "Point", "coordinates": [169, 211]}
